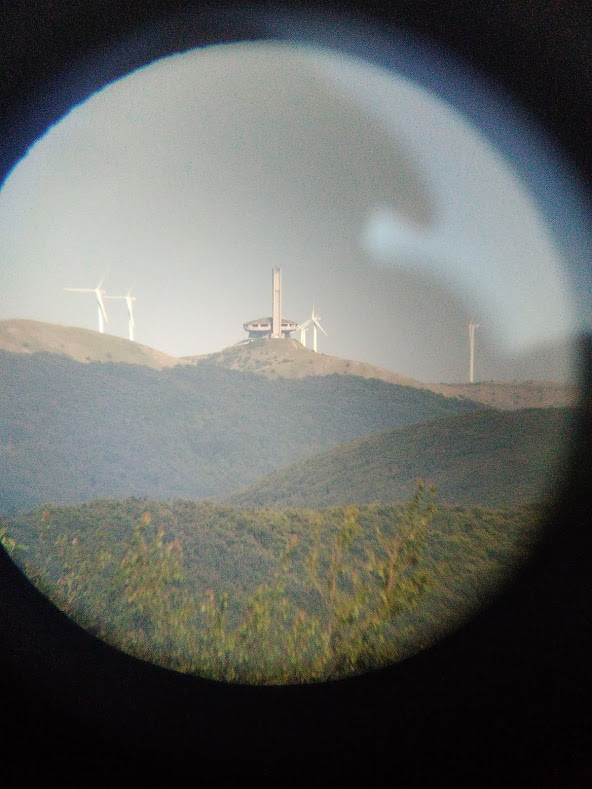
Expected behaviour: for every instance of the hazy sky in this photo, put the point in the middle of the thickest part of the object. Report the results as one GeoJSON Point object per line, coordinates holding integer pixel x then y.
{"type": "Point", "coordinates": [190, 179]}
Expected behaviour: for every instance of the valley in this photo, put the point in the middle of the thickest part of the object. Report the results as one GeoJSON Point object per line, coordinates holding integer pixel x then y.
{"type": "Point", "coordinates": [74, 431]}
{"type": "Point", "coordinates": [487, 458]}
{"type": "Point", "coordinates": [263, 503]}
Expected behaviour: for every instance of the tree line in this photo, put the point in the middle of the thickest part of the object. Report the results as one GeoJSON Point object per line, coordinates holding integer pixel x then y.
{"type": "Point", "coordinates": [307, 595]}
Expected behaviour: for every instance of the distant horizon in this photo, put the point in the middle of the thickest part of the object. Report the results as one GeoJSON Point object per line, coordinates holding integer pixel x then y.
{"type": "Point", "coordinates": [386, 208]}
{"type": "Point", "coordinates": [246, 341]}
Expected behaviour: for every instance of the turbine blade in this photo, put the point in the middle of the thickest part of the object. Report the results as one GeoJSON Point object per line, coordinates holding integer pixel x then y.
{"type": "Point", "coordinates": [318, 325]}
{"type": "Point", "coordinates": [101, 305]}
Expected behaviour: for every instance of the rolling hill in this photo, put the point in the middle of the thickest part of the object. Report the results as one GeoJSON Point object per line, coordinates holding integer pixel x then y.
{"type": "Point", "coordinates": [290, 359]}
{"type": "Point", "coordinates": [486, 458]}
{"type": "Point", "coordinates": [77, 554]}
{"type": "Point", "coordinates": [72, 432]}
{"type": "Point", "coordinates": [512, 395]}
{"type": "Point", "coordinates": [271, 359]}
{"type": "Point", "coordinates": [82, 345]}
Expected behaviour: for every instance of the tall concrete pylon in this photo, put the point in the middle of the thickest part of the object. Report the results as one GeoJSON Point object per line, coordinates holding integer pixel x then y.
{"type": "Point", "coordinates": [276, 315]}
{"type": "Point", "coordinates": [472, 327]}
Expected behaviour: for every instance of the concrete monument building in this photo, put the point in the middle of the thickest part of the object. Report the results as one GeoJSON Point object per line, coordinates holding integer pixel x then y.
{"type": "Point", "coordinates": [274, 326]}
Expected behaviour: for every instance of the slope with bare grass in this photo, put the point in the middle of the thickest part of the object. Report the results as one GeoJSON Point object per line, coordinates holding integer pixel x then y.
{"type": "Point", "coordinates": [83, 345]}
{"type": "Point", "coordinates": [290, 359]}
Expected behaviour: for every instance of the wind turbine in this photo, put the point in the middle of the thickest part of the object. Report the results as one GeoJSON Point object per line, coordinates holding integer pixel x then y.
{"type": "Point", "coordinates": [99, 293]}
{"type": "Point", "coordinates": [314, 320]}
{"type": "Point", "coordinates": [129, 300]}
{"type": "Point", "coordinates": [472, 327]}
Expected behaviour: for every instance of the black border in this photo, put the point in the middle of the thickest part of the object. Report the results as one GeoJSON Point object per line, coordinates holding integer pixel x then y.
{"type": "Point", "coordinates": [505, 699]}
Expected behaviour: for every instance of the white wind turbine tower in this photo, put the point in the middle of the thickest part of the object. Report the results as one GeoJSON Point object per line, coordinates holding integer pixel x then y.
{"type": "Point", "coordinates": [314, 320]}
{"type": "Point", "coordinates": [129, 300]}
{"type": "Point", "coordinates": [472, 327]}
{"type": "Point", "coordinates": [99, 293]}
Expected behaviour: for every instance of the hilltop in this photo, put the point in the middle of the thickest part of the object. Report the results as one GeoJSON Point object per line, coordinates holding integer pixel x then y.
{"type": "Point", "coordinates": [83, 345]}
{"type": "Point", "coordinates": [511, 395]}
{"type": "Point", "coordinates": [487, 458]}
{"type": "Point", "coordinates": [290, 359]}
{"type": "Point", "coordinates": [271, 359]}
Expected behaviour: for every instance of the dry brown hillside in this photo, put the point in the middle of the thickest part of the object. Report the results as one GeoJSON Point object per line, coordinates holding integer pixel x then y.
{"type": "Point", "coordinates": [290, 359]}
{"type": "Point", "coordinates": [271, 358]}
{"type": "Point", "coordinates": [510, 395]}
{"type": "Point", "coordinates": [83, 345]}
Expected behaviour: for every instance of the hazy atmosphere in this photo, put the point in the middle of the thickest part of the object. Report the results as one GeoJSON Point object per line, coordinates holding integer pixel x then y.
{"type": "Point", "coordinates": [191, 178]}
{"type": "Point", "coordinates": [262, 513]}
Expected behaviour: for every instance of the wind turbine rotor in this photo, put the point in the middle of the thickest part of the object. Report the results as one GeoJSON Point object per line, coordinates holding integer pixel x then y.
{"type": "Point", "coordinates": [316, 320]}
{"type": "Point", "coordinates": [313, 321]}
{"type": "Point", "coordinates": [303, 329]}
{"type": "Point", "coordinates": [129, 301]}
{"type": "Point", "coordinates": [100, 302]}
{"type": "Point", "coordinates": [101, 307]}
{"type": "Point", "coordinates": [316, 325]}
{"type": "Point", "coordinates": [99, 293]}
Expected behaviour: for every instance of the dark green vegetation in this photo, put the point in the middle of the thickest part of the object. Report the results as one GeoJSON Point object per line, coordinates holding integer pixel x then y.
{"type": "Point", "coordinates": [271, 359]}
{"type": "Point", "coordinates": [288, 358]}
{"type": "Point", "coordinates": [487, 458]}
{"type": "Point", "coordinates": [267, 596]}
{"type": "Point", "coordinates": [71, 432]}
{"type": "Point", "coordinates": [263, 595]}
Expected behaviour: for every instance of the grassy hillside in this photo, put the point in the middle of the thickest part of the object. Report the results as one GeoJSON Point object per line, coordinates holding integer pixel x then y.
{"type": "Point", "coordinates": [83, 345]}
{"type": "Point", "coordinates": [290, 359]}
{"type": "Point", "coordinates": [71, 432]}
{"type": "Point", "coordinates": [486, 458]}
{"type": "Point", "coordinates": [195, 586]}
{"type": "Point", "coordinates": [512, 395]}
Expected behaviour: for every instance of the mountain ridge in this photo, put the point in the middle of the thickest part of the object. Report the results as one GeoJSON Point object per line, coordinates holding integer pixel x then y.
{"type": "Point", "coordinates": [487, 458]}
{"type": "Point", "coordinates": [72, 431]}
{"type": "Point", "coordinates": [271, 359]}
{"type": "Point", "coordinates": [20, 335]}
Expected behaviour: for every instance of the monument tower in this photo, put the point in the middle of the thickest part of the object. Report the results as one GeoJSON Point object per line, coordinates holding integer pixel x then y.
{"type": "Point", "coordinates": [274, 327]}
